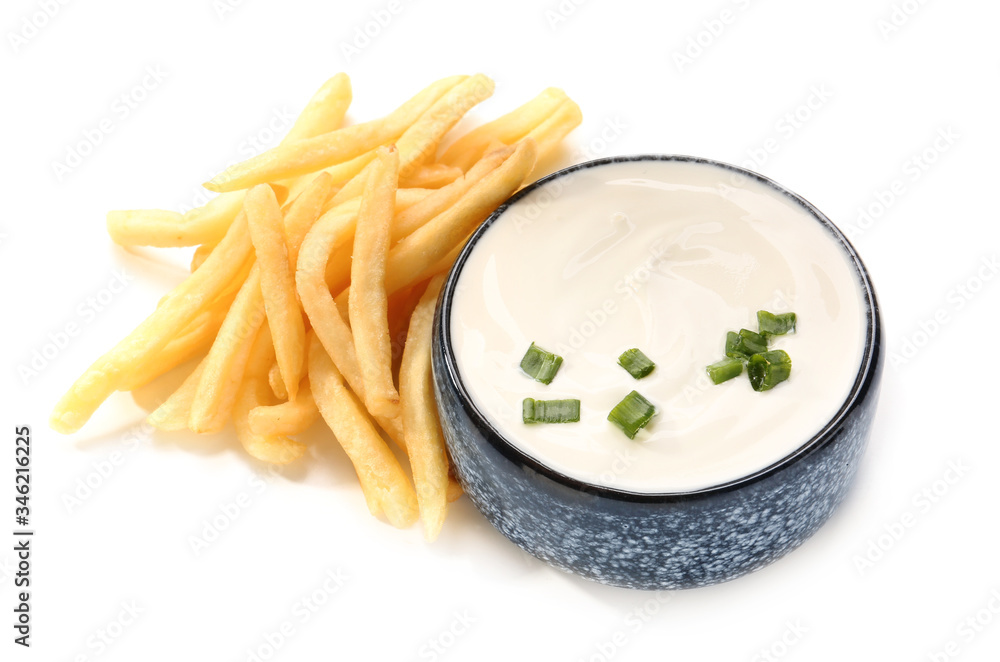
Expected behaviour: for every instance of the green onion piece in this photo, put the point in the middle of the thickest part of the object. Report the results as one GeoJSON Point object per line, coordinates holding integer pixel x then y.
{"type": "Point", "coordinates": [733, 346]}
{"type": "Point", "coordinates": [632, 414]}
{"type": "Point", "coordinates": [637, 363]}
{"type": "Point", "coordinates": [744, 344]}
{"type": "Point", "coordinates": [768, 369]}
{"type": "Point", "coordinates": [540, 365]}
{"type": "Point", "coordinates": [770, 324]}
{"type": "Point", "coordinates": [550, 411]}
{"type": "Point", "coordinates": [725, 370]}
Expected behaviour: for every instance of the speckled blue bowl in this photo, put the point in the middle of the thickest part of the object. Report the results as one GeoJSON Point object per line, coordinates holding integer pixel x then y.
{"type": "Point", "coordinates": [656, 541]}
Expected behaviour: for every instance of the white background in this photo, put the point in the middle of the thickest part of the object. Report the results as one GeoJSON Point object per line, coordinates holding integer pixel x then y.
{"type": "Point", "coordinates": [909, 557]}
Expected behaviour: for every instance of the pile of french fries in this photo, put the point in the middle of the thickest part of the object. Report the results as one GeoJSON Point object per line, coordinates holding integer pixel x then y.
{"type": "Point", "coordinates": [312, 259]}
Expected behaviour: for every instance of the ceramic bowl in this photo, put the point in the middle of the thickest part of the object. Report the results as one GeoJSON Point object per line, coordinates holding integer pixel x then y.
{"type": "Point", "coordinates": [655, 541]}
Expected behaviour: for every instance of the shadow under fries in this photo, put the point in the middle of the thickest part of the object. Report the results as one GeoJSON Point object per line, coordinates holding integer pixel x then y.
{"type": "Point", "coordinates": [467, 534]}
{"type": "Point", "coordinates": [163, 268]}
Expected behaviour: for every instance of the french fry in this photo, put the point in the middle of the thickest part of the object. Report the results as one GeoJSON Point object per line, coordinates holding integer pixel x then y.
{"type": "Point", "coordinates": [329, 326]}
{"type": "Point", "coordinates": [420, 140]}
{"type": "Point", "coordinates": [377, 467]}
{"type": "Point", "coordinates": [325, 110]}
{"type": "Point", "coordinates": [405, 198]}
{"type": "Point", "coordinates": [276, 383]}
{"type": "Point", "coordinates": [200, 255]}
{"type": "Point", "coordinates": [277, 284]}
{"type": "Point", "coordinates": [227, 359]}
{"type": "Point", "coordinates": [424, 439]}
{"type": "Point", "coordinates": [157, 227]}
{"type": "Point", "coordinates": [373, 216]}
{"type": "Point", "coordinates": [407, 220]}
{"type": "Point", "coordinates": [368, 305]}
{"type": "Point", "coordinates": [330, 231]}
{"type": "Point", "coordinates": [285, 418]}
{"type": "Point", "coordinates": [311, 154]}
{"type": "Point", "coordinates": [303, 212]}
{"type": "Point", "coordinates": [444, 264]}
{"type": "Point", "coordinates": [401, 307]}
{"type": "Point", "coordinates": [254, 392]}
{"type": "Point", "coordinates": [165, 229]}
{"type": "Point", "coordinates": [431, 175]}
{"type": "Point", "coordinates": [173, 414]}
{"type": "Point", "coordinates": [196, 338]}
{"type": "Point", "coordinates": [549, 133]}
{"type": "Point", "coordinates": [414, 257]}
{"type": "Point", "coordinates": [207, 224]}
{"type": "Point", "coordinates": [507, 129]}
{"type": "Point", "coordinates": [183, 304]}
{"type": "Point", "coordinates": [338, 173]}
{"type": "Point", "coordinates": [455, 490]}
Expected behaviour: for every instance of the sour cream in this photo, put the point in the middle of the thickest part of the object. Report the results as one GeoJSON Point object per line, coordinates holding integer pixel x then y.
{"type": "Point", "coordinates": [665, 256]}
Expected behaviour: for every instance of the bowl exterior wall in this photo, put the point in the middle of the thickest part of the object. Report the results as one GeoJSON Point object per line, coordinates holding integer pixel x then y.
{"type": "Point", "coordinates": [689, 541]}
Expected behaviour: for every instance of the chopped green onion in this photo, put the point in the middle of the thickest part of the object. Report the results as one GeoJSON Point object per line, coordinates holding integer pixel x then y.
{"type": "Point", "coordinates": [733, 343]}
{"type": "Point", "coordinates": [637, 363]}
{"type": "Point", "coordinates": [744, 344]}
{"type": "Point", "coordinates": [632, 414]}
{"type": "Point", "coordinates": [768, 369]}
{"type": "Point", "coordinates": [540, 365]}
{"type": "Point", "coordinates": [770, 324]}
{"type": "Point", "coordinates": [550, 411]}
{"type": "Point", "coordinates": [725, 370]}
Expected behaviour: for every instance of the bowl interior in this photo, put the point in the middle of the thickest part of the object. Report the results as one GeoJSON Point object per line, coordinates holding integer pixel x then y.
{"type": "Point", "coordinates": [865, 374]}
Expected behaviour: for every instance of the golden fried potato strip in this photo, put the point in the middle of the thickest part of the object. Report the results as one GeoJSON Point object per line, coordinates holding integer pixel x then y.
{"type": "Point", "coordinates": [507, 129]}
{"type": "Point", "coordinates": [277, 284]}
{"type": "Point", "coordinates": [368, 305]}
{"type": "Point", "coordinates": [180, 307]}
{"type": "Point", "coordinates": [424, 439]}
{"type": "Point", "coordinates": [379, 472]}
{"type": "Point", "coordinates": [312, 154]}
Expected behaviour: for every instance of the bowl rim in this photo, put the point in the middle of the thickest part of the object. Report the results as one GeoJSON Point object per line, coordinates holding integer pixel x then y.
{"type": "Point", "coordinates": [867, 369]}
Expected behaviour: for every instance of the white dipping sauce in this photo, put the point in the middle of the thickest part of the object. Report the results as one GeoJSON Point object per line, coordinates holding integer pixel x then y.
{"type": "Point", "coordinates": [666, 256]}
